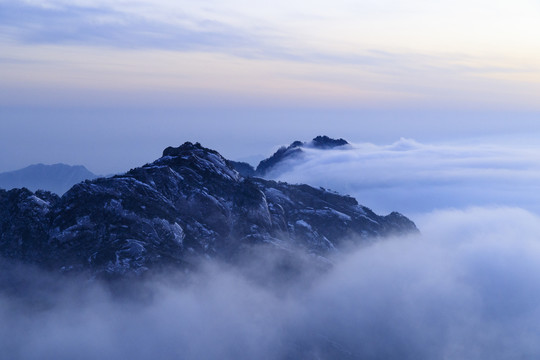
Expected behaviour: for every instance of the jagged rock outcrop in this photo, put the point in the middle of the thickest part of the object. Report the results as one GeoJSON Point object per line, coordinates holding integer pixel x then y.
{"type": "Point", "coordinates": [282, 154]}
{"type": "Point", "coordinates": [243, 168]}
{"type": "Point", "coordinates": [190, 202]}
{"type": "Point", "coordinates": [293, 151]}
{"type": "Point", "coordinates": [24, 223]}
{"type": "Point", "coordinates": [324, 142]}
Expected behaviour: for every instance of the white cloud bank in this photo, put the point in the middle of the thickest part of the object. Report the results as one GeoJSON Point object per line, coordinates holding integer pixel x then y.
{"type": "Point", "coordinates": [413, 178]}
{"type": "Point", "coordinates": [467, 288]}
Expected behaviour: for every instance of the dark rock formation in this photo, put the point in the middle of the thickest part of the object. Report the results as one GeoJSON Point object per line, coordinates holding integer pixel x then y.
{"type": "Point", "coordinates": [189, 203]}
{"type": "Point", "coordinates": [324, 142]}
{"type": "Point", "coordinates": [294, 151]}
{"type": "Point", "coordinates": [24, 223]}
{"type": "Point", "coordinates": [278, 157]}
{"type": "Point", "coordinates": [243, 168]}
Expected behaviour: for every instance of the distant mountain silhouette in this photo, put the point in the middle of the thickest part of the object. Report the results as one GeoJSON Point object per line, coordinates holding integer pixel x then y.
{"type": "Point", "coordinates": [57, 178]}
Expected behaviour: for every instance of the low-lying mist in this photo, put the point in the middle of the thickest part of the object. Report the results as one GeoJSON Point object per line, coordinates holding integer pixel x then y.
{"type": "Point", "coordinates": [467, 287]}
{"type": "Point", "coordinates": [411, 177]}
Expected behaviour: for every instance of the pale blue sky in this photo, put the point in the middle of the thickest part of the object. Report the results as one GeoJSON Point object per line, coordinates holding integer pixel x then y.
{"type": "Point", "coordinates": [295, 53]}
{"type": "Point", "coordinates": [108, 84]}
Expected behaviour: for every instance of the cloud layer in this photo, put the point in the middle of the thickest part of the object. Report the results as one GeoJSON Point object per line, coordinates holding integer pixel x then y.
{"type": "Point", "coordinates": [102, 25]}
{"type": "Point", "coordinates": [412, 177]}
{"type": "Point", "coordinates": [465, 289]}
{"type": "Point", "coordinates": [295, 53]}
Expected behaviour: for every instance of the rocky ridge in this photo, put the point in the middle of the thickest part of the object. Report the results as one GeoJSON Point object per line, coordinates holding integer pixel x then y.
{"type": "Point", "coordinates": [294, 150]}
{"type": "Point", "coordinates": [191, 202]}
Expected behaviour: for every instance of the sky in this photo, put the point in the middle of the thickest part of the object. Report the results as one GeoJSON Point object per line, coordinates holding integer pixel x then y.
{"type": "Point", "coordinates": [235, 53]}
{"type": "Point", "coordinates": [109, 84]}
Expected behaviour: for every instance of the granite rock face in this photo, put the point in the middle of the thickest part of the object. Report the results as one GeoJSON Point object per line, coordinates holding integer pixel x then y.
{"type": "Point", "coordinates": [24, 223]}
{"type": "Point", "coordinates": [293, 151]}
{"type": "Point", "coordinates": [191, 202]}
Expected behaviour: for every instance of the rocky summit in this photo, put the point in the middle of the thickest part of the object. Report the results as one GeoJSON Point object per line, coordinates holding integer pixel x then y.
{"type": "Point", "coordinates": [191, 202]}
{"type": "Point", "coordinates": [293, 151]}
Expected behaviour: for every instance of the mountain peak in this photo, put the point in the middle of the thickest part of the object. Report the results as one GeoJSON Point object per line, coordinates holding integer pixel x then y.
{"type": "Point", "coordinates": [188, 203]}
{"type": "Point", "coordinates": [57, 178]}
{"type": "Point", "coordinates": [187, 147]}
{"type": "Point", "coordinates": [325, 142]}
{"type": "Point", "coordinates": [321, 142]}
{"type": "Point", "coordinates": [194, 155]}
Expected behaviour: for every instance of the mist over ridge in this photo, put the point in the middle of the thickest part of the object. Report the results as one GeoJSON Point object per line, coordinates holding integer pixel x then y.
{"type": "Point", "coordinates": [464, 288]}
{"type": "Point", "coordinates": [190, 202]}
{"type": "Point", "coordinates": [415, 178]}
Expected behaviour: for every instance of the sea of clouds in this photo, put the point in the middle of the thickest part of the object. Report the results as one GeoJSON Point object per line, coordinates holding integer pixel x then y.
{"type": "Point", "coordinates": [465, 287]}
{"type": "Point", "coordinates": [412, 177]}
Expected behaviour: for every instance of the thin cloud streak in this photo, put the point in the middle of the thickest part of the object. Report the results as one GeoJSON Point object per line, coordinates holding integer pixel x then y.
{"type": "Point", "coordinates": [267, 51]}
{"type": "Point", "coordinates": [100, 26]}
{"type": "Point", "coordinates": [116, 26]}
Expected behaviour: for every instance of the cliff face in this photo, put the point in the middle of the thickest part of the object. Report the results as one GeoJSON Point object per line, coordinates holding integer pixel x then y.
{"type": "Point", "coordinates": [188, 203]}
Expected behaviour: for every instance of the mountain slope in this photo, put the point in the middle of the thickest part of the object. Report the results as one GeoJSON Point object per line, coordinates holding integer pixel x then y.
{"type": "Point", "coordinates": [57, 178]}
{"type": "Point", "coordinates": [295, 150]}
{"type": "Point", "coordinates": [188, 203]}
